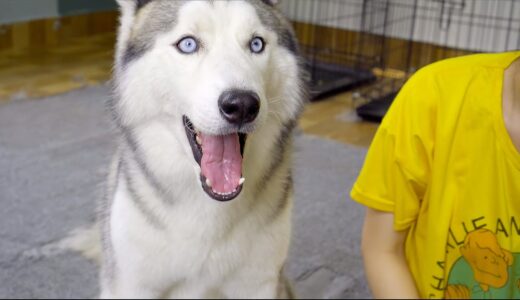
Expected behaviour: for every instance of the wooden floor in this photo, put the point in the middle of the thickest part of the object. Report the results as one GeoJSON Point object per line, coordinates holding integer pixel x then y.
{"type": "Point", "coordinates": [87, 61]}
{"type": "Point", "coordinates": [43, 72]}
{"type": "Point", "coordinates": [335, 118]}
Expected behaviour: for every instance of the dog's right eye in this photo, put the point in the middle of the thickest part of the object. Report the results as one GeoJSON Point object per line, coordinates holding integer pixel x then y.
{"type": "Point", "coordinates": [188, 45]}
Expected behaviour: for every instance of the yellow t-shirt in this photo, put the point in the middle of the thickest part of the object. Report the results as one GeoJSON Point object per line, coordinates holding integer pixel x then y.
{"type": "Point", "coordinates": [444, 164]}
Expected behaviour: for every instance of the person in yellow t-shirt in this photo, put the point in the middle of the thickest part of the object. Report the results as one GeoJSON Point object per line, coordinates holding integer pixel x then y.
{"type": "Point", "coordinates": [441, 183]}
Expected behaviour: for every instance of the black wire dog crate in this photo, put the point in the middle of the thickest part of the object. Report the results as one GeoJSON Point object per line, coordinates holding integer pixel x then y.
{"type": "Point", "coordinates": [439, 29]}
{"type": "Point", "coordinates": [339, 40]}
{"type": "Point", "coordinates": [348, 43]}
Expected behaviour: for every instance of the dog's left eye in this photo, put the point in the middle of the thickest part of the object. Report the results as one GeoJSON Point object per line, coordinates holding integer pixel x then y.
{"type": "Point", "coordinates": [188, 45]}
{"type": "Point", "coordinates": [257, 45]}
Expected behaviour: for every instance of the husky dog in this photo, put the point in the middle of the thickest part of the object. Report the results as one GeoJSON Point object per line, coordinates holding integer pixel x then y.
{"type": "Point", "coordinates": [207, 94]}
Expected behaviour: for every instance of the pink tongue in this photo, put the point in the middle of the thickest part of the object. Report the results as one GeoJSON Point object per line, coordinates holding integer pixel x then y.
{"type": "Point", "coordinates": [221, 162]}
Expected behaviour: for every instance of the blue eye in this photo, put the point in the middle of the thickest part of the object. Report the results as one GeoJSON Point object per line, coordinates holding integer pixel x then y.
{"type": "Point", "coordinates": [188, 45]}
{"type": "Point", "coordinates": [257, 45]}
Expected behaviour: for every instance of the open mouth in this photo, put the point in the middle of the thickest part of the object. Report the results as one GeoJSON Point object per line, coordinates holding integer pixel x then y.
{"type": "Point", "coordinates": [220, 161]}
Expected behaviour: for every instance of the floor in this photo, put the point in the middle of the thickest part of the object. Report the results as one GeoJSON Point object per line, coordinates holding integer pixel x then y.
{"type": "Point", "coordinates": [87, 61]}
{"type": "Point", "coordinates": [45, 72]}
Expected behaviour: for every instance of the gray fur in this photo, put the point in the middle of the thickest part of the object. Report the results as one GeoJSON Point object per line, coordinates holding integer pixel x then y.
{"type": "Point", "coordinates": [140, 204]}
{"type": "Point", "coordinates": [103, 215]}
{"type": "Point", "coordinates": [142, 3]}
{"type": "Point", "coordinates": [279, 150]}
{"type": "Point", "coordinates": [133, 51]}
{"type": "Point", "coordinates": [281, 203]}
{"type": "Point", "coordinates": [165, 14]}
{"type": "Point", "coordinates": [147, 174]}
{"type": "Point", "coordinates": [273, 19]}
{"type": "Point", "coordinates": [270, 2]}
{"type": "Point", "coordinates": [133, 146]}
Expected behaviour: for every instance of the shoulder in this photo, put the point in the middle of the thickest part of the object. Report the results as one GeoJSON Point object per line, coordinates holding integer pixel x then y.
{"type": "Point", "coordinates": [461, 69]}
{"type": "Point", "coordinates": [479, 60]}
{"type": "Point", "coordinates": [456, 69]}
{"type": "Point", "coordinates": [448, 80]}
{"type": "Point", "coordinates": [443, 88]}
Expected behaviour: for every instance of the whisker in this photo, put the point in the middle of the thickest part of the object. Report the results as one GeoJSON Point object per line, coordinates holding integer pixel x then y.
{"type": "Point", "coordinates": [277, 116]}
{"type": "Point", "coordinates": [190, 126]}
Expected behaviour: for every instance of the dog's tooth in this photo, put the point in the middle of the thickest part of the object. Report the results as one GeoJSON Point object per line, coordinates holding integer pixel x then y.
{"type": "Point", "coordinates": [199, 140]}
{"type": "Point", "coordinates": [242, 180]}
{"type": "Point", "coordinates": [208, 182]}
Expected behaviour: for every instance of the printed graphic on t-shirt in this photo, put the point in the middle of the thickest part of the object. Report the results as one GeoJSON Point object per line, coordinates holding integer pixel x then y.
{"type": "Point", "coordinates": [485, 270]}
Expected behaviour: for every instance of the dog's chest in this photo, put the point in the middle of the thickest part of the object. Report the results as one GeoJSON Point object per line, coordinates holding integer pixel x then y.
{"type": "Point", "coordinates": [199, 241]}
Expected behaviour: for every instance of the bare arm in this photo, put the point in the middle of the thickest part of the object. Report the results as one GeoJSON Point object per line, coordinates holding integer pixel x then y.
{"type": "Point", "coordinates": [383, 254]}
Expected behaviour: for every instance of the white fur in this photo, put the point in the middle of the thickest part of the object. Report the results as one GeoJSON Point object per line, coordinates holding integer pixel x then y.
{"type": "Point", "coordinates": [207, 248]}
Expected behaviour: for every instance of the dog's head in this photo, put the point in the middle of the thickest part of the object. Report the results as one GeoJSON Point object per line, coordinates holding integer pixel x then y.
{"type": "Point", "coordinates": [222, 68]}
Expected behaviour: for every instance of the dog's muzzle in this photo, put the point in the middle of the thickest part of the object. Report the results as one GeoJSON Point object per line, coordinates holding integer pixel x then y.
{"type": "Point", "coordinates": [239, 107]}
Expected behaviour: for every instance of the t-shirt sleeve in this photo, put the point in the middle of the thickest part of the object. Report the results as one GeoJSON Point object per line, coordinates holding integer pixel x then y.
{"type": "Point", "coordinates": [397, 167]}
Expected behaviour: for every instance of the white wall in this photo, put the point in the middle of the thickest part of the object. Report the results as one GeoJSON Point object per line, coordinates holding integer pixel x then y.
{"type": "Point", "coordinates": [22, 10]}
{"type": "Point", "coordinates": [479, 25]}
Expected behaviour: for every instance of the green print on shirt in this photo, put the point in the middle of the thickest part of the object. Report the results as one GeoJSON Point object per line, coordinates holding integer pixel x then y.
{"type": "Point", "coordinates": [485, 270]}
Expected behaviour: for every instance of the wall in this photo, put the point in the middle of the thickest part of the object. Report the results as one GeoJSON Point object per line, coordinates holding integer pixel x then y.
{"type": "Point", "coordinates": [476, 25]}
{"type": "Point", "coordinates": [12, 11]}
{"type": "Point", "coordinates": [15, 11]}
{"type": "Point", "coordinates": [75, 7]}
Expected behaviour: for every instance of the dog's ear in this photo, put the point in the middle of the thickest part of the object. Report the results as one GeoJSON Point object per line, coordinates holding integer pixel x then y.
{"type": "Point", "coordinates": [132, 5]}
{"type": "Point", "coordinates": [128, 9]}
{"type": "Point", "coordinates": [141, 3]}
{"type": "Point", "coordinates": [270, 2]}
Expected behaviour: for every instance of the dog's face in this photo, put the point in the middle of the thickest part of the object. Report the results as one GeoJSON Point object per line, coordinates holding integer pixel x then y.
{"type": "Point", "coordinates": [223, 68]}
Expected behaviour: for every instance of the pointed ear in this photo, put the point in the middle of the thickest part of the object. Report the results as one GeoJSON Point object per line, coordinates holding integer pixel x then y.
{"type": "Point", "coordinates": [132, 5]}
{"type": "Point", "coordinates": [127, 7]}
{"type": "Point", "coordinates": [270, 2]}
{"type": "Point", "coordinates": [141, 3]}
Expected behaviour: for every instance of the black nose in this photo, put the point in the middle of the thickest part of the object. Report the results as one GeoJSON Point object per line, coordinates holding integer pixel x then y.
{"type": "Point", "coordinates": [239, 106]}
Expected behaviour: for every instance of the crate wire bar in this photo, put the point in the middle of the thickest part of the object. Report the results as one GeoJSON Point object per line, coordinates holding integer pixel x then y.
{"type": "Point", "coordinates": [373, 46]}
